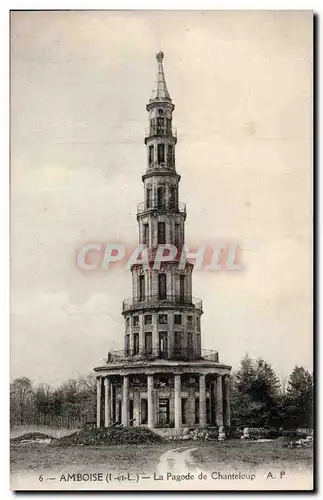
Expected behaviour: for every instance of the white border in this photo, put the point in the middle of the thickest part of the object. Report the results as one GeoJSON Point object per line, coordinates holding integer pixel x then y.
{"type": "Point", "coordinates": [4, 182]}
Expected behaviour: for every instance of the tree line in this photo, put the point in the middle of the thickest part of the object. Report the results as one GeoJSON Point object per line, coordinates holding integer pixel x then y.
{"type": "Point", "coordinates": [70, 405]}
{"type": "Point", "coordinates": [257, 399]}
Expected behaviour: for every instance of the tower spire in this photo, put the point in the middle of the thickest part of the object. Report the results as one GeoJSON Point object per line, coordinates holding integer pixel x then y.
{"type": "Point", "coordinates": [160, 91]}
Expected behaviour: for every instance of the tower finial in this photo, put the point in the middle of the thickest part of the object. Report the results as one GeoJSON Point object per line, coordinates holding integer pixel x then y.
{"type": "Point", "coordinates": [160, 91]}
{"type": "Point", "coordinates": [160, 56]}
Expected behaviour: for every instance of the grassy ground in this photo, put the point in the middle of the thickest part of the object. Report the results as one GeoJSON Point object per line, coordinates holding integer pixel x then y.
{"type": "Point", "coordinates": [232, 454]}
{"type": "Point", "coordinates": [238, 455]}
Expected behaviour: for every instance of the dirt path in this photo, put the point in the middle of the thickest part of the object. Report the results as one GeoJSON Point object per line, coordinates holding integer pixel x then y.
{"type": "Point", "coordinates": [178, 461]}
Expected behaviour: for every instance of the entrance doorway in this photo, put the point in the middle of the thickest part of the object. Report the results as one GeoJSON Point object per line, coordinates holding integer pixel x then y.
{"type": "Point", "coordinates": [163, 412]}
{"type": "Point", "coordinates": [131, 412]}
{"type": "Point", "coordinates": [143, 411]}
{"type": "Point", "coordinates": [119, 412]}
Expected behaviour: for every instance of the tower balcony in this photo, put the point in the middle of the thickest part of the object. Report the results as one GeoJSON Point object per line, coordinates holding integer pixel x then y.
{"type": "Point", "coordinates": [175, 354]}
{"type": "Point", "coordinates": [153, 301]}
{"type": "Point", "coordinates": [171, 206]}
{"type": "Point", "coordinates": [157, 131]}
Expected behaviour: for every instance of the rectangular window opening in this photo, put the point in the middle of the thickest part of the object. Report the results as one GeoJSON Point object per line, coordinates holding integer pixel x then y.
{"type": "Point", "coordinates": [151, 155]}
{"type": "Point", "coordinates": [141, 288]}
{"type": "Point", "coordinates": [173, 193]}
{"type": "Point", "coordinates": [161, 153]}
{"type": "Point", "coordinates": [146, 234]}
{"type": "Point", "coordinates": [177, 319]}
{"type": "Point", "coordinates": [182, 287]}
{"type": "Point", "coordinates": [136, 343]}
{"type": "Point", "coordinates": [148, 319]}
{"type": "Point", "coordinates": [178, 342]}
{"type": "Point", "coordinates": [162, 286]}
{"type": "Point", "coordinates": [163, 345]}
{"type": "Point", "coordinates": [148, 343]}
{"type": "Point", "coordinates": [162, 319]}
{"type": "Point", "coordinates": [161, 233]}
{"type": "Point", "coordinates": [148, 197]}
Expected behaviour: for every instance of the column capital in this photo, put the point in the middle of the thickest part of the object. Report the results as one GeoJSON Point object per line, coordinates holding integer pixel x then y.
{"type": "Point", "coordinates": [106, 380]}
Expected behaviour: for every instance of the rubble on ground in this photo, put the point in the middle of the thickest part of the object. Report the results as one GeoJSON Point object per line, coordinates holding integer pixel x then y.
{"type": "Point", "coordinates": [110, 436]}
{"type": "Point", "coordinates": [33, 438]}
{"type": "Point", "coordinates": [300, 443]}
{"type": "Point", "coordinates": [194, 434]}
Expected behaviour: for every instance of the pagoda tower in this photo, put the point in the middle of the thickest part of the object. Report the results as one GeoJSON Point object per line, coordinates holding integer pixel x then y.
{"type": "Point", "coordinates": [162, 378]}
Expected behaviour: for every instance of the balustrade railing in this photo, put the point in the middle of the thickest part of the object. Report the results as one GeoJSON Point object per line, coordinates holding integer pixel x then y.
{"type": "Point", "coordinates": [160, 130]}
{"type": "Point", "coordinates": [175, 354]}
{"type": "Point", "coordinates": [160, 300]}
{"type": "Point", "coordinates": [158, 205]}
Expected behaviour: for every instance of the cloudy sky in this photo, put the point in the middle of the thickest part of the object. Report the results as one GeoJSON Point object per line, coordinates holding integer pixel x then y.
{"type": "Point", "coordinates": [241, 83]}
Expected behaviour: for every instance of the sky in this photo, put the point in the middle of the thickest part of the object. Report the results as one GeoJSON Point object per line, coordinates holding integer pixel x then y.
{"type": "Point", "coordinates": [242, 86]}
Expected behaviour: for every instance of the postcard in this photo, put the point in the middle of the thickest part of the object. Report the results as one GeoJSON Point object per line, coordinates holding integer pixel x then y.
{"type": "Point", "coordinates": [161, 250]}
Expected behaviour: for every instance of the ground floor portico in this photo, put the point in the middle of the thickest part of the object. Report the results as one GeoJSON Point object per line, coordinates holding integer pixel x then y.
{"type": "Point", "coordinates": [164, 396]}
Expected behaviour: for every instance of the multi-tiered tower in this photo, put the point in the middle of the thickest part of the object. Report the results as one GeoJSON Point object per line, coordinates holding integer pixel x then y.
{"type": "Point", "coordinates": [162, 377]}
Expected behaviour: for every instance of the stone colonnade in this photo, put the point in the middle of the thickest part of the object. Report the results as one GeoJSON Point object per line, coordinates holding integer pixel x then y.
{"type": "Point", "coordinates": [220, 392]}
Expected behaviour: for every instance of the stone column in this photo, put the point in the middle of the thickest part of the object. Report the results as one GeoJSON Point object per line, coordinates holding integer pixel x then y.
{"type": "Point", "coordinates": [117, 407]}
{"type": "Point", "coordinates": [226, 400]}
{"type": "Point", "coordinates": [98, 402]}
{"type": "Point", "coordinates": [125, 401]}
{"type": "Point", "coordinates": [219, 402]}
{"type": "Point", "coordinates": [107, 402]}
{"type": "Point", "coordinates": [136, 407]}
{"type": "Point", "coordinates": [177, 401]}
{"type": "Point", "coordinates": [191, 405]}
{"type": "Point", "coordinates": [150, 400]}
{"type": "Point", "coordinates": [111, 401]}
{"type": "Point", "coordinates": [210, 402]}
{"type": "Point", "coordinates": [202, 401]}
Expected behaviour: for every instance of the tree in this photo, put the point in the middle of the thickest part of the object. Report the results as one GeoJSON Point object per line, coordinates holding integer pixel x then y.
{"type": "Point", "coordinates": [246, 375]}
{"type": "Point", "coordinates": [299, 398]}
{"type": "Point", "coordinates": [43, 399]}
{"type": "Point", "coordinates": [244, 411]}
{"type": "Point", "coordinates": [21, 400]}
{"type": "Point", "coordinates": [265, 390]}
{"type": "Point", "coordinates": [255, 396]}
